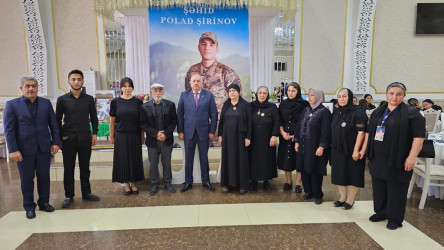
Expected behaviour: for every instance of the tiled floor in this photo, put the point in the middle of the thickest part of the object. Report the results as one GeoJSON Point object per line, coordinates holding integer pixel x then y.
{"type": "Point", "coordinates": [204, 219]}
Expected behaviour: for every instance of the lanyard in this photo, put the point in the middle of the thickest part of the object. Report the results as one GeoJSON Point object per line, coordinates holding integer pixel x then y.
{"type": "Point", "coordinates": [386, 116]}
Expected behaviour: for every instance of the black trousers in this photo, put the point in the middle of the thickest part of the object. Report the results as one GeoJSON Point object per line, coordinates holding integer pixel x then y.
{"type": "Point", "coordinates": [70, 149]}
{"type": "Point", "coordinates": [312, 184]}
{"type": "Point", "coordinates": [389, 199]}
{"type": "Point", "coordinates": [31, 166]}
{"type": "Point", "coordinates": [164, 151]}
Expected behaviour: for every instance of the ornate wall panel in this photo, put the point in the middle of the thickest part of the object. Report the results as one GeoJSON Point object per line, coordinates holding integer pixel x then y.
{"type": "Point", "coordinates": [36, 43]}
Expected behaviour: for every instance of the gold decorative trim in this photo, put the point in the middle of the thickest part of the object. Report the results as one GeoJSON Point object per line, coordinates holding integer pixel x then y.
{"type": "Point", "coordinates": [371, 57]}
{"type": "Point", "coordinates": [105, 54]}
{"type": "Point", "coordinates": [55, 49]}
{"type": "Point", "coordinates": [97, 43]}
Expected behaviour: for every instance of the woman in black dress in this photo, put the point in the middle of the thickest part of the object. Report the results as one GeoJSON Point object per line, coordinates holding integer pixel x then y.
{"type": "Point", "coordinates": [395, 136]}
{"type": "Point", "coordinates": [289, 112]}
{"type": "Point", "coordinates": [265, 129]}
{"type": "Point", "coordinates": [368, 99]}
{"type": "Point", "coordinates": [312, 137]}
{"type": "Point", "coordinates": [126, 136]}
{"type": "Point", "coordinates": [234, 136]}
{"type": "Point", "coordinates": [347, 156]}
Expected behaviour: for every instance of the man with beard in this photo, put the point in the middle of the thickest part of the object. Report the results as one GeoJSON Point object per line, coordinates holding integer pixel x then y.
{"type": "Point", "coordinates": [74, 111]}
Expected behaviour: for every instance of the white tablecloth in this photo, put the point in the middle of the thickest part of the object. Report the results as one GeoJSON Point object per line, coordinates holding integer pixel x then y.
{"type": "Point", "coordinates": [437, 192]}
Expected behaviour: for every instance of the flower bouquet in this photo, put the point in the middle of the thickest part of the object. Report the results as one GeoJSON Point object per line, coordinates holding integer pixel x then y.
{"type": "Point", "coordinates": [143, 97]}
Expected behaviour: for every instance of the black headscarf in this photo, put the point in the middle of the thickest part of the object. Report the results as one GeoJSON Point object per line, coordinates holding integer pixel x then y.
{"type": "Point", "coordinates": [398, 132]}
{"type": "Point", "coordinates": [343, 125]}
{"type": "Point", "coordinates": [265, 104]}
{"type": "Point", "coordinates": [292, 108]}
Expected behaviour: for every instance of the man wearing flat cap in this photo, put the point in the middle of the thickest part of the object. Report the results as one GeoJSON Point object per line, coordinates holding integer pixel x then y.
{"type": "Point", "coordinates": [216, 75]}
{"type": "Point", "coordinates": [158, 119]}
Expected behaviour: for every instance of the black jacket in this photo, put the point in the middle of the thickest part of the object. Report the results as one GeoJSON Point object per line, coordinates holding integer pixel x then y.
{"type": "Point", "coordinates": [148, 122]}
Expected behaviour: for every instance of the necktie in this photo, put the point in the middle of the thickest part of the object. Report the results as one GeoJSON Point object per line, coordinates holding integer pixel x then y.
{"type": "Point", "coordinates": [196, 99]}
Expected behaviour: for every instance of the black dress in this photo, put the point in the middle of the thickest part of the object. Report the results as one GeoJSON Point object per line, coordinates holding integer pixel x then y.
{"type": "Point", "coordinates": [127, 162]}
{"type": "Point", "coordinates": [265, 124]}
{"type": "Point", "coordinates": [313, 131]}
{"type": "Point", "coordinates": [344, 170]}
{"type": "Point", "coordinates": [235, 127]}
{"type": "Point", "coordinates": [290, 111]}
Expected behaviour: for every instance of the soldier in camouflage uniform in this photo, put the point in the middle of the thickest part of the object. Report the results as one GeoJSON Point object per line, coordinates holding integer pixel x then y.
{"type": "Point", "coordinates": [217, 76]}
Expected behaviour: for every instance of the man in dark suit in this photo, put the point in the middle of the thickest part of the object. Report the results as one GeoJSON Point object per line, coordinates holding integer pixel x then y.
{"type": "Point", "coordinates": [197, 121]}
{"type": "Point", "coordinates": [32, 136]}
{"type": "Point", "coordinates": [158, 119]}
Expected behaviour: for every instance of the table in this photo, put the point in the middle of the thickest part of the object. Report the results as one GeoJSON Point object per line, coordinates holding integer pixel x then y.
{"type": "Point", "coordinates": [437, 192]}
{"type": "Point", "coordinates": [103, 129]}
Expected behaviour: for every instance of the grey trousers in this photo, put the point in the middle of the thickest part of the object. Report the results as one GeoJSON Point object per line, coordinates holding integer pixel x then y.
{"type": "Point", "coordinates": [164, 151]}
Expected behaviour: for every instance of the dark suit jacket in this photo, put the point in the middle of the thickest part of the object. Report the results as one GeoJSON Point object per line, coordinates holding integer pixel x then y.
{"type": "Point", "coordinates": [149, 124]}
{"type": "Point", "coordinates": [202, 118]}
{"type": "Point", "coordinates": [23, 134]}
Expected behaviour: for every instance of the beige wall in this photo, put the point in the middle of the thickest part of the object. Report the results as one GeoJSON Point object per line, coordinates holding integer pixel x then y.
{"type": "Point", "coordinates": [76, 39]}
{"type": "Point", "coordinates": [322, 44]}
{"type": "Point", "coordinates": [400, 55]}
{"type": "Point", "coordinates": [13, 61]}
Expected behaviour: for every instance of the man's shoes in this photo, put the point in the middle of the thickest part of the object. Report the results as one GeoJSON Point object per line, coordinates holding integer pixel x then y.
{"type": "Point", "coordinates": [30, 214]}
{"type": "Point", "coordinates": [318, 201]}
{"type": "Point", "coordinates": [91, 197]}
{"type": "Point", "coordinates": [298, 189]}
{"type": "Point", "coordinates": [46, 207]}
{"type": "Point", "coordinates": [67, 202]}
{"type": "Point", "coordinates": [393, 225]}
{"type": "Point", "coordinates": [377, 217]}
{"type": "Point", "coordinates": [208, 185]}
{"type": "Point", "coordinates": [186, 187]}
{"type": "Point", "coordinates": [306, 197]}
{"type": "Point", "coordinates": [169, 187]}
{"type": "Point", "coordinates": [266, 186]}
{"type": "Point", "coordinates": [154, 189]}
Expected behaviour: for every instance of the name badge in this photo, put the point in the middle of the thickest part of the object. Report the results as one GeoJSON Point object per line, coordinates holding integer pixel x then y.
{"type": "Point", "coordinates": [380, 131]}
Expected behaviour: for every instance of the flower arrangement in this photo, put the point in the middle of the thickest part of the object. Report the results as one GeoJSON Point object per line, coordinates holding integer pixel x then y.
{"type": "Point", "coordinates": [143, 97]}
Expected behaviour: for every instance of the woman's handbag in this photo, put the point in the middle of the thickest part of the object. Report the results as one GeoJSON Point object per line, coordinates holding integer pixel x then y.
{"type": "Point", "coordinates": [428, 150]}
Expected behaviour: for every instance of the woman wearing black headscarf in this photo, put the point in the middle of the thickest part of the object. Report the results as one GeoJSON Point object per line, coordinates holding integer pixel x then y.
{"type": "Point", "coordinates": [347, 163]}
{"type": "Point", "coordinates": [265, 130]}
{"type": "Point", "coordinates": [289, 112]}
{"type": "Point", "coordinates": [234, 136]}
{"type": "Point", "coordinates": [395, 136]}
{"type": "Point", "coordinates": [312, 137]}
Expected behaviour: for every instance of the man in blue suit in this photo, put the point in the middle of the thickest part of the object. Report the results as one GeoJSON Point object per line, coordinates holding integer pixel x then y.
{"type": "Point", "coordinates": [32, 135]}
{"type": "Point", "coordinates": [196, 124]}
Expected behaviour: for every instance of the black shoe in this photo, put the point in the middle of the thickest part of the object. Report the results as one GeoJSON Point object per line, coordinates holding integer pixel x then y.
{"type": "Point", "coordinates": [318, 201]}
{"type": "Point", "coordinates": [348, 206]}
{"type": "Point", "coordinates": [186, 187]}
{"type": "Point", "coordinates": [338, 204]}
{"type": "Point", "coordinates": [154, 189]}
{"type": "Point", "coordinates": [393, 225]}
{"type": "Point", "coordinates": [306, 197]}
{"type": "Point", "coordinates": [226, 189]}
{"type": "Point", "coordinates": [266, 186]}
{"type": "Point", "coordinates": [91, 197]}
{"type": "Point", "coordinates": [298, 189]}
{"type": "Point", "coordinates": [46, 207]}
{"type": "Point", "coordinates": [377, 217]}
{"type": "Point", "coordinates": [170, 188]}
{"type": "Point", "coordinates": [288, 186]}
{"type": "Point", "coordinates": [135, 192]}
{"type": "Point", "coordinates": [253, 185]}
{"type": "Point", "coordinates": [67, 202]}
{"type": "Point", "coordinates": [30, 214]}
{"type": "Point", "coordinates": [128, 192]}
{"type": "Point", "coordinates": [208, 185]}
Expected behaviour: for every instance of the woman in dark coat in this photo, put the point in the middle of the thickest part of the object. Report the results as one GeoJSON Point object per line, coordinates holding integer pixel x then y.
{"type": "Point", "coordinates": [395, 136]}
{"type": "Point", "coordinates": [234, 136]}
{"type": "Point", "coordinates": [126, 136]}
{"type": "Point", "coordinates": [264, 133]}
{"type": "Point", "coordinates": [290, 111]}
{"type": "Point", "coordinates": [347, 156]}
{"type": "Point", "coordinates": [312, 137]}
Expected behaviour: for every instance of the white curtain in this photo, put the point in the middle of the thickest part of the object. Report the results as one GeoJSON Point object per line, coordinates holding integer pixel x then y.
{"type": "Point", "coordinates": [137, 52]}
{"type": "Point", "coordinates": [262, 25]}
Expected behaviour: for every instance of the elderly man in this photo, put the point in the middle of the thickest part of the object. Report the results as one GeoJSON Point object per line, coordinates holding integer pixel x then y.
{"type": "Point", "coordinates": [197, 120]}
{"type": "Point", "coordinates": [32, 136]}
{"type": "Point", "coordinates": [216, 75]}
{"type": "Point", "coordinates": [158, 119]}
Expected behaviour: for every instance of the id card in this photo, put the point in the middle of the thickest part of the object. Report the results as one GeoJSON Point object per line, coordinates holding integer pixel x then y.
{"type": "Point", "coordinates": [379, 135]}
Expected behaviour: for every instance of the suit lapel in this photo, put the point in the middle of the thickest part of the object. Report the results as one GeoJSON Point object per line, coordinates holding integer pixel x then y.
{"type": "Point", "coordinates": [39, 109]}
{"type": "Point", "coordinates": [25, 109]}
{"type": "Point", "coordinates": [152, 108]}
{"type": "Point", "coordinates": [201, 98]}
